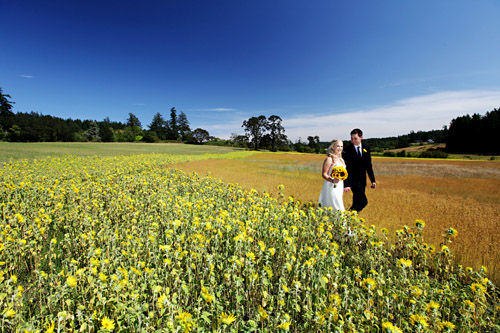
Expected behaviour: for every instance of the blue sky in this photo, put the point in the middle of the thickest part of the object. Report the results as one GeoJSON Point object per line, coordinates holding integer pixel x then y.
{"type": "Point", "coordinates": [325, 67]}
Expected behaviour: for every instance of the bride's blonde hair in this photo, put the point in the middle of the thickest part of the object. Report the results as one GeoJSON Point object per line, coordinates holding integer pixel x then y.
{"type": "Point", "coordinates": [331, 149]}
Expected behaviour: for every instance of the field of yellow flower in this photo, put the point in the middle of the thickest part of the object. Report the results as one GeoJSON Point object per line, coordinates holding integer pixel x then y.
{"type": "Point", "coordinates": [130, 244]}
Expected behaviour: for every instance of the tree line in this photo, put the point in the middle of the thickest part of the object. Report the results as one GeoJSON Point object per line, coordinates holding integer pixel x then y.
{"type": "Point", "coordinates": [260, 132]}
{"type": "Point", "coordinates": [475, 134]}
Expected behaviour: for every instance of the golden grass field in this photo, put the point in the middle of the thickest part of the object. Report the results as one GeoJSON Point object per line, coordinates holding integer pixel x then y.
{"type": "Point", "coordinates": [464, 195]}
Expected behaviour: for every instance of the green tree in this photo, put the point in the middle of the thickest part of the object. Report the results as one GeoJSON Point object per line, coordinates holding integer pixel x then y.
{"type": "Point", "coordinates": [133, 132]}
{"type": "Point", "coordinates": [173, 126]}
{"type": "Point", "coordinates": [255, 127]}
{"type": "Point", "coordinates": [313, 143]}
{"type": "Point", "coordinates": [201, 136]}
{"type": "Point", "coordinates": [276, 132]}
{"type": "Point", "coordinates": [14, 134]}
{"type": "Point", "coordinates": [106, 131]}
{"type": "Point", "coordinates": [183, 125]}
{"type": "Point", "coordinates": [6, 114]}
{"type": "Point", "coordinates": [159, 126]}
{"type": "Point", "coordinates": [92, 132]}
{"type": "Point", "coordinates": [133, 121]}
{"type": "Point", "coordinates": [150, 137]}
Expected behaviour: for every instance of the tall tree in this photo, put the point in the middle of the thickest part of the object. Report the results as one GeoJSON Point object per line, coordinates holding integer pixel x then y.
{"type": "Point", "coordinates": [159, 126]}
{"type": "Point", "coordinates": [133, 121]}
{"type": "Point", "coordinates": [173, 126]}
{"type": "Point", "coordinates": [255, 127]}
{"type": "Point", "coordinates": [134, 128]}
{"type": "Point", "coordinates": [183, 125]}
{"type": "Point", "coordinates": [200, 135]}
{"type": "Point", "coordinates": [92, 132]}
{"type": "Point", "coordinates": [313, 143]}
{"type": "Point", "coordinates": [105, 130]}
{"type": "Point", "coordinates": [276, 131]}
{"type": "Point", "coordinates": [6, 114]}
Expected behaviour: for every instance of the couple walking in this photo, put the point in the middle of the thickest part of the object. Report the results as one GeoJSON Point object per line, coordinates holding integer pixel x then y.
{"type": "Point", "coordinates": [358, 162]}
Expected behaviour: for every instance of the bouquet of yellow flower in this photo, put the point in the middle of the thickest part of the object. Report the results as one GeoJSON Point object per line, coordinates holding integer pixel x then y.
{"type": "Point", "coordinates": [339, 172]}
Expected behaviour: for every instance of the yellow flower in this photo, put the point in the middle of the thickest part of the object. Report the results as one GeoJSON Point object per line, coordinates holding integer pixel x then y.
{"type": "Point", "coordinates": [404, 263]}
{"type": "Point", "coordinates": [9, 313]}
{"type": "Point", "coordinates": [332, 312]}
{"type": "Point", "coordinates": [369, 284]}
{"type": "Point", "coordinates": [478, 289]}
{"type": "Point", "coordinates": [263, 314]}
{"type": "Point", "coordinates": [419, 321]}
{"type": "Point", "coordinates": [108, 324]}
{"type": "Point", "coordinates": [227, 318]}
{"type": "Point", "coordinates": [71, 281]}
{"type": "Point", "coordinates": [420, 224]}
{"type": "Point", "coordinates": [388, 327]}
{"type": "Point", "coordinates": [103, 277]}
{"type": "Point", "coordinates": [50, 327]}
{"type": "Point", "coordinates": [452, 233]}
{"type": "Point", "coordinates": [469, 305]}
{"type": "Point", "coordinates": [416, 291]}
{"type": "Point", "coordinates": [368, 314]}
{"type": "Point", "coordinates": [432, 307]}
{"type": "Point", "coordinates": [206, 295]}
{"type": "Point", "coordinates": [13, 278]}
{"type": "Point", "coordinates": [446, 326]}
{"type": "Point", "coordinates": [285, 326]}
{"type": "Point", "coordinates": [162, 300]}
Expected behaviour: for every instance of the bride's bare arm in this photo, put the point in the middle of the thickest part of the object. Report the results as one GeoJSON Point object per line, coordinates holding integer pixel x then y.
{"type": "Point", "coordinates": [326, 167]}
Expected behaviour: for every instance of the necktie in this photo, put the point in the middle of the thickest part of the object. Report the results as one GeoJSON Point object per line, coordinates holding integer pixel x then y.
{"type": "Point", "coordinates": [359, 152]}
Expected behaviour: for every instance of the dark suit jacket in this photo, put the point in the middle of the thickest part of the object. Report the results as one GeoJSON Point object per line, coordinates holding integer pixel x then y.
{"type": "Point", "coordinates": [357, 168]}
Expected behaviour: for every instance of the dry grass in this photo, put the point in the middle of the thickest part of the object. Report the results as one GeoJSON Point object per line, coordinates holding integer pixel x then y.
{"type": "Point", "coordinates": [419, 148]}
{"type": "Point", "coordinates": [464, 195]}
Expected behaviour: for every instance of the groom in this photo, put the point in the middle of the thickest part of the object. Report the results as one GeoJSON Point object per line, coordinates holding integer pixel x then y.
{"type": "Point", "coordinates": [359, 163]}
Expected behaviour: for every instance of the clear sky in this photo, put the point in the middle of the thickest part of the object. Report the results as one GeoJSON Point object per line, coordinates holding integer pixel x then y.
{"type": "Point", "coordinates": [325, 66]}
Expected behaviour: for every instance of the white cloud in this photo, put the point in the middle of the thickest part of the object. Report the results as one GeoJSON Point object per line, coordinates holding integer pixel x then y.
{"type": "Point", "coordinates": [420, 113]}
{"type": "Point", "coordinates": [28, 76]}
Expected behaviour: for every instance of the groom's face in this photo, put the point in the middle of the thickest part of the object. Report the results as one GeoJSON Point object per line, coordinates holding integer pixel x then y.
{"type": "Point", "coordinates": [356, 139]}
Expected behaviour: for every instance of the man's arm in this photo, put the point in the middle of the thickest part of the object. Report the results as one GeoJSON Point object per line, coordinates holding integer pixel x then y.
{"type": "Point", "coordinates": [369, 167]}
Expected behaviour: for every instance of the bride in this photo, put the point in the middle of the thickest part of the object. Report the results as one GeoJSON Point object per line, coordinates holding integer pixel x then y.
{"type": "Point", "coordinates": [333, 188]}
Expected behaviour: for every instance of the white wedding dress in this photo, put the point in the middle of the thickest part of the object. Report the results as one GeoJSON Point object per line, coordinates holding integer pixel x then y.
{"type": "Point", "coordinates": [331, 194]}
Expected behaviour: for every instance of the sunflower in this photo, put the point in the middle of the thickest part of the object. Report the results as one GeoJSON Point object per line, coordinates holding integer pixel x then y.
{"type": "Point", "coordinates": [227, 318]}
{"type": "Point", "coordinates": [108, 324]}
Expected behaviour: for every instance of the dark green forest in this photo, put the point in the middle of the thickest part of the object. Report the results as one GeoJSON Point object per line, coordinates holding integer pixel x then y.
{"type": "Point", "coordinates": [474, 134]}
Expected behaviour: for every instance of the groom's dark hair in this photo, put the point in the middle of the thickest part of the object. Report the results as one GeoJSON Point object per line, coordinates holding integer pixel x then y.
{"type": "Point", "coordinates": [357, 131]}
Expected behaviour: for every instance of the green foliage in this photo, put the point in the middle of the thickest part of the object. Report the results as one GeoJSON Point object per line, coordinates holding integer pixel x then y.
{"type": "Point", "coordinates": [90, 243]}
{"type": "Point", "coordinates": [465, 132]}
{"type": "Point", "coordinates": [150, 137]}
{"type": "Point", "coordinates": [390, 154]}
{"type": "Point", "coordinates": [433, 153]}
{"type": "Point", "coordinates": [255, 127]}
